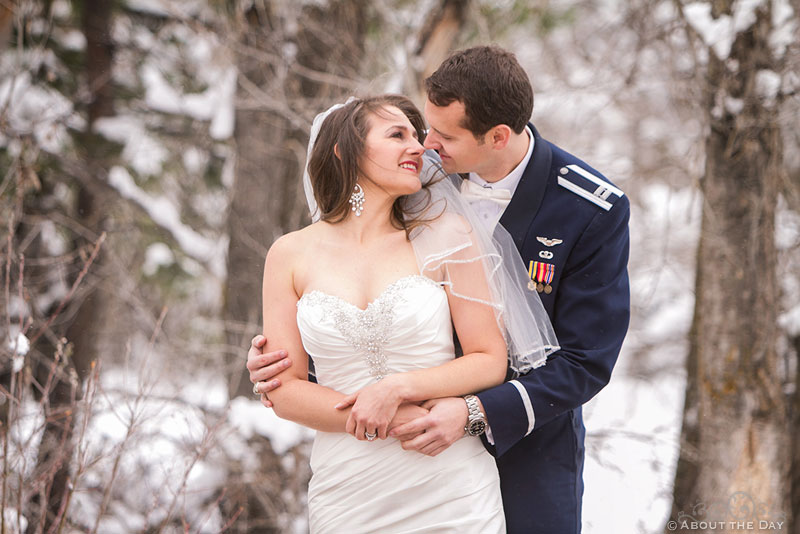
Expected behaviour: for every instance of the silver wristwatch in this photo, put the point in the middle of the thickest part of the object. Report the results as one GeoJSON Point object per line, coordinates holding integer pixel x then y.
{"type": "Point", "coordinates": [476, 423]}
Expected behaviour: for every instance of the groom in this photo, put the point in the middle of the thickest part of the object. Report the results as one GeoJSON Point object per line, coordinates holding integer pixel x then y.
{"type": "Point", "coordinates": [570, 225]}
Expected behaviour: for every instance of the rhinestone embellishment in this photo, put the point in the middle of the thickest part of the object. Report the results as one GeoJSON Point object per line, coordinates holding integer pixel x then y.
{"type": "Point", "coordinates": [366, 330]}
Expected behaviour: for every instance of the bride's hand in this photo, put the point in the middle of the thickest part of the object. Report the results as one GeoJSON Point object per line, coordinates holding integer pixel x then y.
{"type": "Point", "coordinates": [373, 408]}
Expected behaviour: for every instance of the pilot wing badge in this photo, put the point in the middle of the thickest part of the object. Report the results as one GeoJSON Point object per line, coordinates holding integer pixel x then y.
{"type": "Point", "coordinates": [546, 241]}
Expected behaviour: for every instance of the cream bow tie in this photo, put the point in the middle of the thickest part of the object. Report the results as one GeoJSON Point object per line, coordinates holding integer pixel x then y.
{"type": "Point", "coordinates": [472, 192]}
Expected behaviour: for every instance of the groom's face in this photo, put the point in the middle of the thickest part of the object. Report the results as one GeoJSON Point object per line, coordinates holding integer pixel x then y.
{"type": "Point", "coordinates": [459, 149]}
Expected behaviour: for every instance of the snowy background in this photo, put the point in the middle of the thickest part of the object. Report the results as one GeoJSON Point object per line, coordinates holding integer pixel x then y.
{"type": "Point", "coordinates": [166, 432]}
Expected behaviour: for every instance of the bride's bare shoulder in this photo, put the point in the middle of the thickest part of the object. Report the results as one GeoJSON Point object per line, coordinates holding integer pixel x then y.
{"type": "Point", "coordinates": [292, 246]}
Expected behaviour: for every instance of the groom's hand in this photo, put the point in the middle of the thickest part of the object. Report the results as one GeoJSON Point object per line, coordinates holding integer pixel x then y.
{"type": "Point", "coordinates": [264, 367]}
{"type": "Point", "coordinates": [406, 413]}
{"type": "Point", "coordinates": [436, 431]}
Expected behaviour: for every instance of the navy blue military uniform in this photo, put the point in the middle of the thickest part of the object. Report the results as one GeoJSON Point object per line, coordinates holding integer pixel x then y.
{"type": "Point", "coordinates": [570, 225]}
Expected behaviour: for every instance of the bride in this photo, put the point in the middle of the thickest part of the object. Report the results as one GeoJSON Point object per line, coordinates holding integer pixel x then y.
{"type": "Point", "coordinates": [372, 292]}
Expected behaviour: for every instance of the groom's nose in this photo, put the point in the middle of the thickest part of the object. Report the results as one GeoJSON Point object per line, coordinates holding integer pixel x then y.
{"type": "Point", "coordinates": [432, 141]}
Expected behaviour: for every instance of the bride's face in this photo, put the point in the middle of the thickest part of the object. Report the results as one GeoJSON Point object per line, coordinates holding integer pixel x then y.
{"type": "Point", "coordinates": [392, 156]}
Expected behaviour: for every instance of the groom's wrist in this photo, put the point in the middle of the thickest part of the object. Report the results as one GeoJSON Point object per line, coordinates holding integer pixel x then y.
{"type": "Point", "coordinates": [476, 418]}
{"type": "Point", "coordinates": [488, 431]}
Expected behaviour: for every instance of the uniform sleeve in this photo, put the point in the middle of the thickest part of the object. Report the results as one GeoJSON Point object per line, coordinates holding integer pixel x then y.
{"type": "Point", "coordinates": [590, 317]}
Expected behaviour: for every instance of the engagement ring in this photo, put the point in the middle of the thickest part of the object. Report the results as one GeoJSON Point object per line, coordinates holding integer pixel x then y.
{"type": "Point", "coordinates": [370, 436]}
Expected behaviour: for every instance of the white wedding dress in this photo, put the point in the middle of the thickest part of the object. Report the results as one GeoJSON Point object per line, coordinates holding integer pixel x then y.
{"type": "Point", "coordinates": [362, 486]}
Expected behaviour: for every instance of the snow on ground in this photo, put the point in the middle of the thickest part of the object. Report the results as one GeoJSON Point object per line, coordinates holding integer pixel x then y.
{"type": "Point", "coordinates": [155, 445]}
{"type": "Point", "coordinates": [633, 432]}
{"type": "Point", "coordinates": [14, 522]}
{"type": "Point", "coordinates": [250, 417]}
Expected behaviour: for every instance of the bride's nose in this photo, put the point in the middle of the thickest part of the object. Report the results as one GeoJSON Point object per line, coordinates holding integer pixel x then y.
{"type": "Point", "coordinates": [416, 147]}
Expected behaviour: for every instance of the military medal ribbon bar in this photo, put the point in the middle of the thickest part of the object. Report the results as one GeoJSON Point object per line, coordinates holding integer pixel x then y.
{"type": "Point", "coordinates": [542, 275]}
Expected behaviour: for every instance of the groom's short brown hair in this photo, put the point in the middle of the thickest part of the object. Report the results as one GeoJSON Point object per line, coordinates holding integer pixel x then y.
{"type": "Point", "coordinates": [491, 84]}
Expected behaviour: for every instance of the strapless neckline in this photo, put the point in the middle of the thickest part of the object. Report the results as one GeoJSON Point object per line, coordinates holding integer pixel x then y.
{"type": "Point", "coordinates": [369, 329]}
{"type": "Point", "coordinates": [316, 293]}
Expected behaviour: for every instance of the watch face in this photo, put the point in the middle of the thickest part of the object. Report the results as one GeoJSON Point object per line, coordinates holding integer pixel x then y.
{"type": "Point", "coordinates": [477, 427]}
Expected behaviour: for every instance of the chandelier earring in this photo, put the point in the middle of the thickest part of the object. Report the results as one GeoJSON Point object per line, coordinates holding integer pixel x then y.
{"type": "Point", "coordinates": [357, 200]}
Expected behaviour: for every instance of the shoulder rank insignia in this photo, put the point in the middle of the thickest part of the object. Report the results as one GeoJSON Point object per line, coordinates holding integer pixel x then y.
{"type": "Point", "coordinates": [541, 274]}
{"type": "Point", "coordinates": [587, 185]}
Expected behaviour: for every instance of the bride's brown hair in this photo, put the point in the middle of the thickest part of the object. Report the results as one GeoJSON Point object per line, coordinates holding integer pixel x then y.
{"type": "Point", "coordinates": [333, 177]}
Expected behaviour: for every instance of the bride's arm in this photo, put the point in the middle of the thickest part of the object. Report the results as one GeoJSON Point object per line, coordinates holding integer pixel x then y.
{"type": "Point", "coordinates": [297, 399]}
{"type": "Point", "coordinates": [482, 366]}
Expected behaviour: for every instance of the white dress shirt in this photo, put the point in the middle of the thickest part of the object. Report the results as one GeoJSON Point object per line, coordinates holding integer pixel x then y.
{"type": "Point", "coordinates": [489, 210]}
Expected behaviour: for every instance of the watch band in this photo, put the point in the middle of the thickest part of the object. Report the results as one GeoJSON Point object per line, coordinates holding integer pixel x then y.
{"type": "Point", "coordinates": [476, 421]}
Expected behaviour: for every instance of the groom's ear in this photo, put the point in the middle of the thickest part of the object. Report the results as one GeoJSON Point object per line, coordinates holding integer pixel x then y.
{"type": "Point", "coordinates": [499, 136]}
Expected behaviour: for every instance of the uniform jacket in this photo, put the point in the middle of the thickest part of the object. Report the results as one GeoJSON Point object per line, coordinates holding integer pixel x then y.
{"type": "Point", "coordinates": [572, 221]}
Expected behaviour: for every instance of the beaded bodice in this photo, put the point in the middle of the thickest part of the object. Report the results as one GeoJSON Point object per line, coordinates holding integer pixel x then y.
{"type": "Point", "coordinates": [407, 326]}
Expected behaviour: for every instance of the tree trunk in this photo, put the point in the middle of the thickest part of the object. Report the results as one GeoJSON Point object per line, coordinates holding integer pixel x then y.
{"type": "Point", "coordinates": [99, 54]}
{"type": "Point", "coordinates": [437, 39]}
{"type": "Point", "coordinates": [276, 102]}
{"type": "Point", "coordinates": [734, 455]}
{"type": "Point", "coordinates": [6, 23]}
{"type": "Point", "coordinates": [55, 451]}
